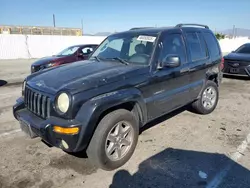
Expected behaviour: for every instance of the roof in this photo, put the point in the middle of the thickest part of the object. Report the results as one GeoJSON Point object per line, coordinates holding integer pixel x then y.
{"type": "Point", "coordinates": [149, 30]}
{"type": "Point", "coordinates": [156, 30]}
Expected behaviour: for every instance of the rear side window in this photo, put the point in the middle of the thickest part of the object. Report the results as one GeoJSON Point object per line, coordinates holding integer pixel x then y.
{"type": "Point", "coordinates": [212, 44]}
{"type": "Point", "coordinates": [197, 46]}
{"type": "Point", "coordinates": [203, 45]}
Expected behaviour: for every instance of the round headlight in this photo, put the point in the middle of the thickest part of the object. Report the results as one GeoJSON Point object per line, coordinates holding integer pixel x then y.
{"type": "Point", "coordinates": [63, 102]}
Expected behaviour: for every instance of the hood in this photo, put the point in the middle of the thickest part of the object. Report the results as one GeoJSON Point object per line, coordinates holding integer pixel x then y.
{"type": "Point", "coordinates": [82, 75]}
{"type": "Point", "coordinates": [47, 60]}
{"type": "Point", "coordinates": [238, 57]}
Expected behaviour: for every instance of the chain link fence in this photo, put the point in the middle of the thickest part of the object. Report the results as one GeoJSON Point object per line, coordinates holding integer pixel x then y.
{"type": "Point", "coordinates": [29, 30]}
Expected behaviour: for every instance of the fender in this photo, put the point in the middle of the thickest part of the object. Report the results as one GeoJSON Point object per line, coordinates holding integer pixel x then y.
{"type": "Point", "coordinates": [212, 73]}
{"type": "Point", "coordinates": [91, 110]}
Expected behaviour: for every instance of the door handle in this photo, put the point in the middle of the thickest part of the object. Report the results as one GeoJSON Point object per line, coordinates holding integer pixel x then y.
{"type": "Point", "coordinates": [184, 70]}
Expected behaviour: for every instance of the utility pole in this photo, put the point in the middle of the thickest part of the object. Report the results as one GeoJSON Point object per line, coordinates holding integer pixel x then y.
{"type": "Point", "coordinates": [233, 31]}
{"type": "Point", "coordinates": [54, 20]}
{"type": "Point", "coordinates": [82, 25]}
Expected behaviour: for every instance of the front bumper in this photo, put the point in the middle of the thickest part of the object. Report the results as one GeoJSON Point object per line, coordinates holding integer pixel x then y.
{"type": "Point", "coordinates": [239, 71]}
{"type": "Point", "coordinates": [38, 127]}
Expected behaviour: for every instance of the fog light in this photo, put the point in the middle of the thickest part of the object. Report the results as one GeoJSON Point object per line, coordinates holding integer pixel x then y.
{"type": "Point", "coordinates": [68, 130]}
{"type": "Point", "coordinates": [65, 145]}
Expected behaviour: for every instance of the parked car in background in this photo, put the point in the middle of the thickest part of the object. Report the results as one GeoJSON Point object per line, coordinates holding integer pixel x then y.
{"type": "Point", "coordinates": [132, 78]}
{"type": "Point", "coordinates": [68, 55]}
{"type": "Point", "coordinates": [238, 62]}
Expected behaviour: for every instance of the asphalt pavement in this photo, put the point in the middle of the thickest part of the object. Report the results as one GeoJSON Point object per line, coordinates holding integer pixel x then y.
{"type": "Point", "coordinates": [181, 149]}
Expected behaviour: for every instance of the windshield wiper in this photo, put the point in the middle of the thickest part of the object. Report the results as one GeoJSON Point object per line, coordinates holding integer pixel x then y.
{"type": "Point", "coordinates": [120, 60]}
{"type": "Point", "coordinates": [96, 58]}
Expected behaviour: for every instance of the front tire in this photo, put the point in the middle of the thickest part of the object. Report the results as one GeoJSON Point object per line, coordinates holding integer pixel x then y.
{"type": "Point", "coordinates": [114, 140]}
{"type": "Point", "coordinates": [208, 100]}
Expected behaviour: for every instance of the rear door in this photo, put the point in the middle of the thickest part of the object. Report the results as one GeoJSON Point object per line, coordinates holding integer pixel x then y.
{"type": "Point", "coordinates": [198, 60]}
{"type": "Point", "coordinates": [170, 85]}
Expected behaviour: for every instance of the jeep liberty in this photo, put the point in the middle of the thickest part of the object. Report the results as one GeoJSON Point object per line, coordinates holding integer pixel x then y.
{"type": "Point", "coordinates": [132, 78]}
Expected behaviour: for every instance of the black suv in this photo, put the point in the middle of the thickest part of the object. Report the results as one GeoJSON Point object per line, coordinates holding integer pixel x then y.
{"type": "Point", "coordinates": [133, 77]}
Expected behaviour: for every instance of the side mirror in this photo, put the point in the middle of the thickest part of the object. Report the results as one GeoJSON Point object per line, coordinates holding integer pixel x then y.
{"type": "Point", "coordinates": [233, 51]}
{"type": "Point", "coordinates": [170, 61]}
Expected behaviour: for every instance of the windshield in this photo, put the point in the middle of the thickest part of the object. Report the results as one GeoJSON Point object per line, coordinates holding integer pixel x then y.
{"type": "Point", "coordinates": [135, 49]}
{"type": "Point", "coordinates": [68, 51]}
{"type": "Point", "coordinates": [245, 49]}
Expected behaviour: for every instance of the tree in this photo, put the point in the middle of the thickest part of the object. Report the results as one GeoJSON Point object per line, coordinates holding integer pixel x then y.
{"type": "Point", "coordinates": [220, 36]}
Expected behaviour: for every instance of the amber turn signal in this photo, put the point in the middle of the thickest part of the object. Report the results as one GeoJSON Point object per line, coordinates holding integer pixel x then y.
{"type": "Point", "coordinates": [68, 130]}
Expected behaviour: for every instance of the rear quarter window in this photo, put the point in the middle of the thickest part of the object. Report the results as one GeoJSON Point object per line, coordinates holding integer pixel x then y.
{"type": "Point", "coordinates": [197, 46]}
{"type": "Point", "coordinates": [212, 44]}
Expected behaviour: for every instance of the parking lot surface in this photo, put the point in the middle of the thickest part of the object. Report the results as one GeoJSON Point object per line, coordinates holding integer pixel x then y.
{"type": "Point", "coordinates": [181, 149]}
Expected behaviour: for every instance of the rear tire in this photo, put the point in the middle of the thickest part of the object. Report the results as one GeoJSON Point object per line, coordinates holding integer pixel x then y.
{"type": "Point", "coordinates": [208, 100]}
{"type": "Point", "coordinates": [114, 140]}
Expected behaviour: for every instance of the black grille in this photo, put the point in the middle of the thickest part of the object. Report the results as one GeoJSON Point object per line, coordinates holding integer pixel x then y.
{"type": "Point", "coordinates": [241, 63]}
{"type": "Point", "coordinates": [37, 103]}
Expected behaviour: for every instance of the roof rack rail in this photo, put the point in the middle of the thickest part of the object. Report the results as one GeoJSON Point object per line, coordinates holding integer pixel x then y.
{"type": "Point", "coordinates": [135, 28]}
{"type": "Point", "coordinates": [181, 25]}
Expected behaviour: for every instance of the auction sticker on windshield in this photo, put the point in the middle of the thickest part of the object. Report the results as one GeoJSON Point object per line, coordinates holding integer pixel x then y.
{"type": "Point", "coordinates": [146, 38]}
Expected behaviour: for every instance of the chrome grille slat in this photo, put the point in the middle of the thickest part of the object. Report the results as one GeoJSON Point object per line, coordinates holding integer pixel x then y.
{"type": "Point", "coordinates": [26, 96]}
{"type": "Point", "coordinates": [31, 101]}
{"type": "Point", "coordinates": [29, 104]}
{"type": "Point", "coordinates": [48, 107]}
{"type": "Point", "coordinates": [43, 106]}
{"type": "Point", "coordinates": [37, 103]}
{"type": "Point", "coordinates": [34, 102]}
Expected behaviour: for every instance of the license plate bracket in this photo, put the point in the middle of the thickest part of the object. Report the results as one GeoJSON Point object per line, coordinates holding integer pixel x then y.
{"type": "Point", "coordinates": [25, 127]}
{"type": "Point", "coordinates": [234, 70]}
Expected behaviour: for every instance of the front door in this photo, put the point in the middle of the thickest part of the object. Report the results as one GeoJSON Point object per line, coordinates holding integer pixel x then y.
{"type": "Point", "coordinates": [170, 85]}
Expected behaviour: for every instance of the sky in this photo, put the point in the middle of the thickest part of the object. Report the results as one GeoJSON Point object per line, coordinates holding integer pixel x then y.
{"type": "Point", "coordinates": [120, 15]}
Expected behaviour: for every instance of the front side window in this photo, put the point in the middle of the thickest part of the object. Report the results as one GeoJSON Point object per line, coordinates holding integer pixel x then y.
{"type": "Point", "coordinates": [68, 51]}
{"type": "Point", "coordinates": [173, 45]}
{"type": "Point", "coordinates": [132, 48]}
{"type": "Point", "coordinates": [244, 49]}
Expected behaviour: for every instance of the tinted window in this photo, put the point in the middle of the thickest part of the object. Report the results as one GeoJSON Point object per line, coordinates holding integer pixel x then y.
{"type": "Point", "coordinates": [212, 44]}
{"type": "Point", "coordinates": [203, 45]}
{"type": "Point", "coordinates": [245, 49]}
{"type": "Point", "coordinates": [173, 45]}
{"type": "Point", "coordinates": [196, 46]}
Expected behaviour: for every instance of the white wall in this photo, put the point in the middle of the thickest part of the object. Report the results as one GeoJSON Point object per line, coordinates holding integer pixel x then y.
{"type": "Point", "coordinates": [228, 45]}
{"type": "Point", "coordinates": [37, 46]}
